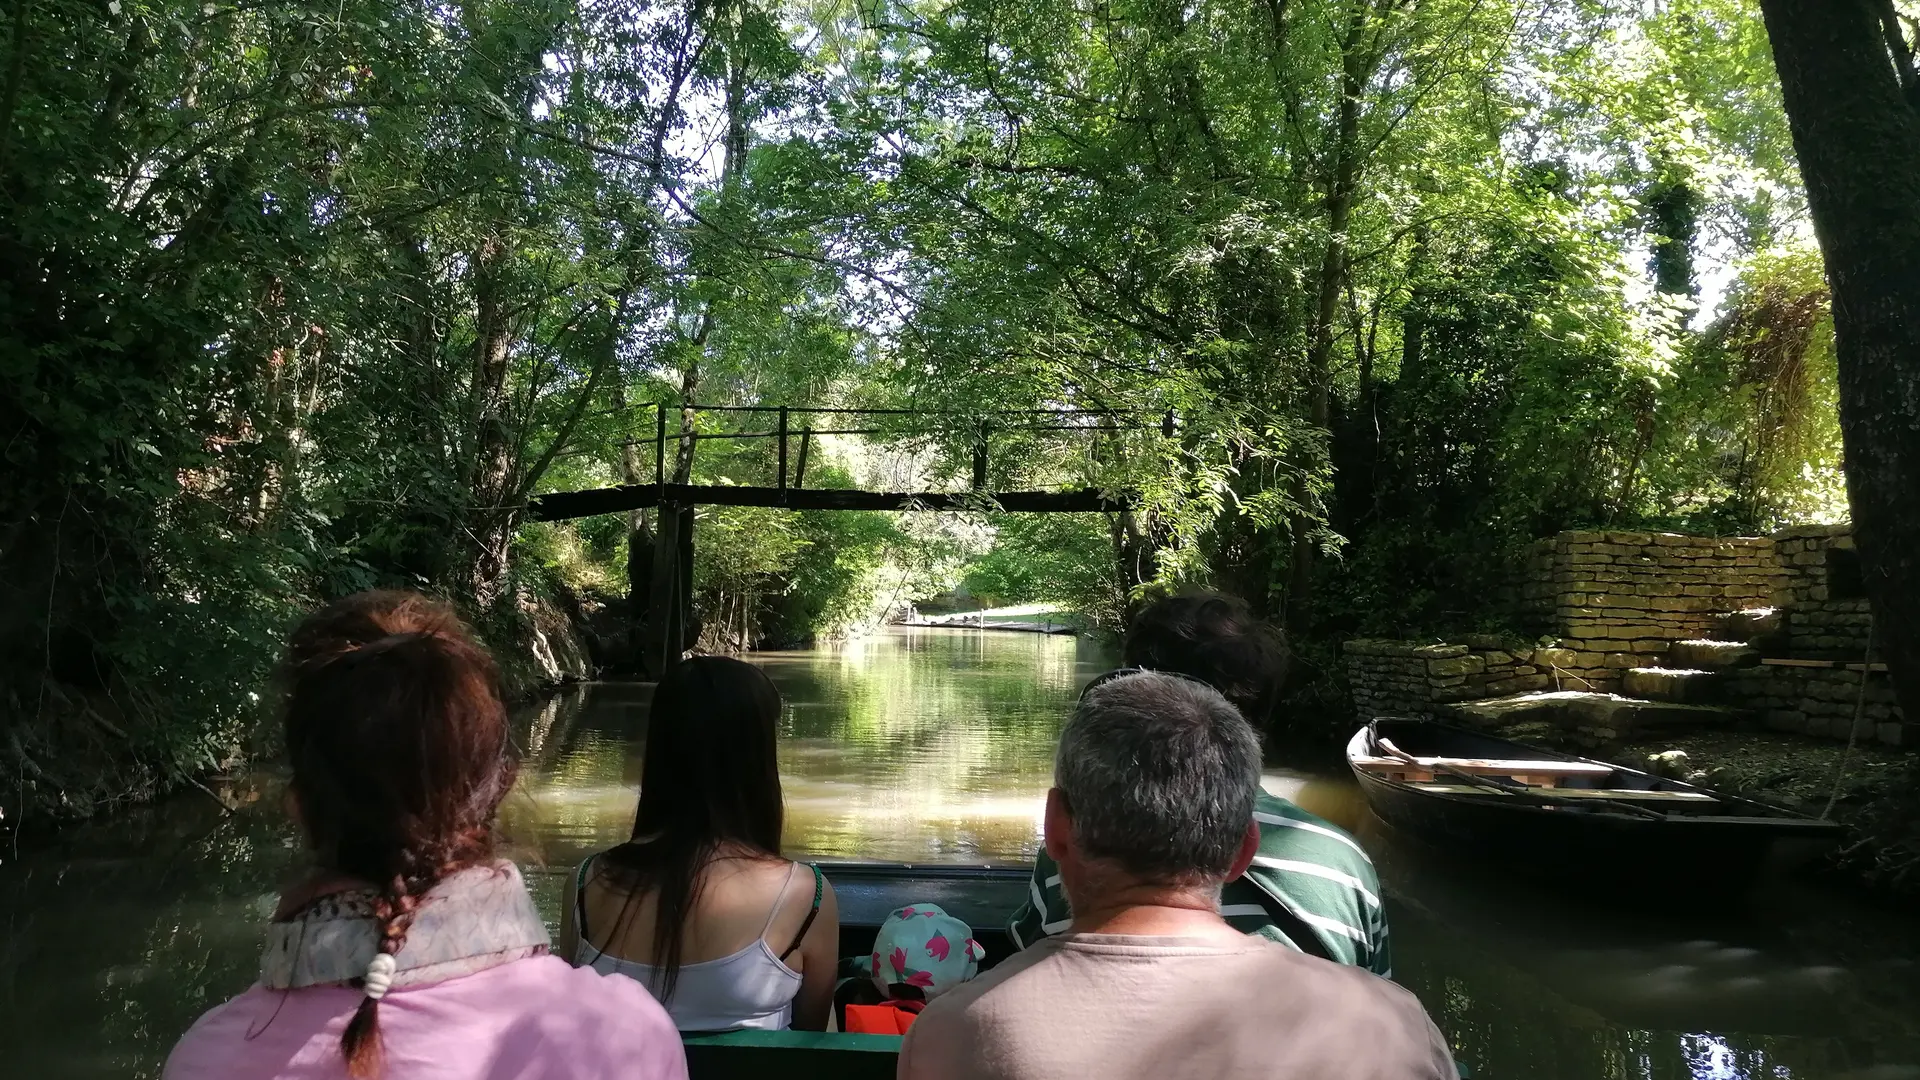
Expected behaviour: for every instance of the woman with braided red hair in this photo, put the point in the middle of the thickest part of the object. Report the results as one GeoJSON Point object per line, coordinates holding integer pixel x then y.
{"type": "Point", "coordinates": [412, 952]}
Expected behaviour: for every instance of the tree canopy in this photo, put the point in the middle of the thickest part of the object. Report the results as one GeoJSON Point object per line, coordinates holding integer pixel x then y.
{"type": "Point", "coordinates": [297, 299]}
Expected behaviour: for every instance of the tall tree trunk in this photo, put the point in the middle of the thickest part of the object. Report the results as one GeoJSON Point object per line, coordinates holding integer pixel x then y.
{"type": "Point", "coordinates": [1858, 141]}
{"type": "Point", "coordinates": [1357, 67]}
{"type": "Point", "coordinates": [490, 523]}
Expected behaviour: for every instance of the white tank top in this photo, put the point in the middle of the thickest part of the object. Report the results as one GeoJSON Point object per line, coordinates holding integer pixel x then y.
{"type": "Point", "coordinates": [749, 989]}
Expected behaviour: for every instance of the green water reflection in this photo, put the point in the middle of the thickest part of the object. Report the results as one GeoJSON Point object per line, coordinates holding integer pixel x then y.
{"type": "Point", "coordinates": [936, 745]}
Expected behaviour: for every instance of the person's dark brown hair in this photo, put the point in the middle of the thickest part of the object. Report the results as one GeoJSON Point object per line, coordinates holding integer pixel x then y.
{"type": "Point", "coordinates": [396, 731]}
{"type": "Point", "coordinates": [1216, 639]}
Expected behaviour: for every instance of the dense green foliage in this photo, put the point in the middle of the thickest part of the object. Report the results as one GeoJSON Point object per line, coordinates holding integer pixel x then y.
{"type": "Point", "coordinates": [297, 299]}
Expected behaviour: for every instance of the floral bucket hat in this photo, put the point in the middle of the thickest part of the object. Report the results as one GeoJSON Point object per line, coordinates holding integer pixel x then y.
{"type": "Point", "coordinates": [922, 946]}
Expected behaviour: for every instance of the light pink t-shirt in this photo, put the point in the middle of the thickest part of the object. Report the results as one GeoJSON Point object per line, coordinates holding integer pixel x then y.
{"type": "Point", "coordinates": [532, 1019]}
{"type": "Point", "coordinates": [1118, 1007]}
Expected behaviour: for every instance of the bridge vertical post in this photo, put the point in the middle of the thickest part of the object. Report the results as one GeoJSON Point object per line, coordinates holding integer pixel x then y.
{"type": "Point", "coordinates": [783, 450]}
{"type": "Point", "coordinates": [800, 466]}
{"type": "Point", "coordinates": [660, 444]}
{"type": "Point", "coordinates": [670, 629]}
{"type": "Point", "coordinates": [980, 459]}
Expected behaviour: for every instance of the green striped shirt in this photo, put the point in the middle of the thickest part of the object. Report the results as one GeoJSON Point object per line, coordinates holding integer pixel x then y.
{"type": "Point", "coordinates": [1311, 888]}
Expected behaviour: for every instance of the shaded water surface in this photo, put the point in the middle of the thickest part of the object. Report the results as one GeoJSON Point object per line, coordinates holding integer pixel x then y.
{"type": "Point", "coordinates": [935, 745]}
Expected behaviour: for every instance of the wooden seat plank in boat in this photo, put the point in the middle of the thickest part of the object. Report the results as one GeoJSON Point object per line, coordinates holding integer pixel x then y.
{"type": "Point", "coordinates": [1594, 794]}
{"type": "Point", "coordinates": [1535, 773]}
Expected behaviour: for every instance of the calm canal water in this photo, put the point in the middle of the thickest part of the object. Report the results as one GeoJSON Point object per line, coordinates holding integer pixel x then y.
{"type": "Point", "coordinates": [936, 745]}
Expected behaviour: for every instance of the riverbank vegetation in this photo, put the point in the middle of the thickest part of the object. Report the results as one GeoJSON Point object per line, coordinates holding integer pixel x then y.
{"type": "Point", "coordinates": [298, 299]}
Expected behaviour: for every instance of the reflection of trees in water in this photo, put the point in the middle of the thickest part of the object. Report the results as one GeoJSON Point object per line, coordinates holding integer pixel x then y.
{"type": "Point", "coordinates": [924, 743]}
{"type": "Point", "coordinates": [580, 773]}
{"type": "Point", "coordinates": [1507, 1025]}
{"type": "Point", "coordinates": [900, 745]}
{"type": "Point", "coordinates": [114, 948]}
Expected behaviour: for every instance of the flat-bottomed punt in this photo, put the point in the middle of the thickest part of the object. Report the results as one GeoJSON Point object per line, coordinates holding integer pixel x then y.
{"type": "Point", "coordinates": [1560, 816]}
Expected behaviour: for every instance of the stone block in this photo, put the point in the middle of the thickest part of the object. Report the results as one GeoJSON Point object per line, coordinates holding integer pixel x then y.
{"type": "Point", "coordinates": [1713, 655]}
{"type": "Point", "coordinates": [1668, 684]}
{"type": "Point", "coordinates": [1752, 624]}
{"type": "Point", "coordinates": [1621, 602]}
{"type": "Point", "coordinates": [1602, 646]}
{"type": "Point", "coordinates": [1890, 734]}
{"type": "Point", "coordinates": [1460, 665]}
{"type": "Point", "coordinates": [1519, 684]}
{"type": "Point", "coordinates": [1438, 652]}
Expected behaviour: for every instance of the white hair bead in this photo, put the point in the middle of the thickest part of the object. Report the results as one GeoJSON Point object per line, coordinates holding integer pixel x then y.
{"type": "Point", "coordinates": [379, 977]}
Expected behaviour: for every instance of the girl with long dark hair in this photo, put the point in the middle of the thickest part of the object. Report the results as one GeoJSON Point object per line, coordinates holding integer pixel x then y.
{"type": "Point", "coordinates": [411, 952]}
{"type": "Point", "coordinates": [700, 906]}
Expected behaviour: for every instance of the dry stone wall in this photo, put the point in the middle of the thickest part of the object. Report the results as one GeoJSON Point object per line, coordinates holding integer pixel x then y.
{"type": "Point", "coordinates": [1607, 602]}
{"type": "Point", "coordinates": [1820, 701]}
{"type": "Point", "coordinates": [1404, 678]}
{"type": "Point", "coordinates": [1823, 594]}
{"type": "Point", "coordinates": [1619, 600]}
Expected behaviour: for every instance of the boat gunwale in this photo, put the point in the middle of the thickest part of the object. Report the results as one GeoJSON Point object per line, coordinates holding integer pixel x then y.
{"type": "Point", "coordinates": [1770, 816]}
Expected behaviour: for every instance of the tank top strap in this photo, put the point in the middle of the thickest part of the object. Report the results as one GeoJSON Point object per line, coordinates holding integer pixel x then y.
{"type": "Point", "coordinates": [580, 898]}
{"type": "Point", "coordinates": [819, 888]}
{"type": "Point", "coordinates": [779, 898]}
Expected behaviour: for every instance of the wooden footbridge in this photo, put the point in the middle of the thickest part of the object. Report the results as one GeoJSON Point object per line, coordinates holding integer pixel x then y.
{"type": "Point", "coordinates": [664, 627]}
{"type": "Point", "coordinates": [789, 488]}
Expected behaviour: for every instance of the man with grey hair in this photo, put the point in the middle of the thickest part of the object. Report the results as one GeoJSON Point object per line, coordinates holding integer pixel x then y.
{"type": "Point", "coordinates": [1151, 811]}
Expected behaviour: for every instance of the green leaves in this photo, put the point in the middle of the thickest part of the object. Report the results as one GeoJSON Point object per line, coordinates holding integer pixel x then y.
{"type": "Point", "coordinates": [326, 293]}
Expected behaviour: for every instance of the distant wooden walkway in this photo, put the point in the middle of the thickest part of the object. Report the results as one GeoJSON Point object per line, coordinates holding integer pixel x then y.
{"type": "Point", "coordinates": [560, 506]}
{"type": "Point", "coordinates": [665, 625]}
{"type": "Point", "coordinates": [1018, 627]}
{"type": "Point", "coordinates": [789, 490]}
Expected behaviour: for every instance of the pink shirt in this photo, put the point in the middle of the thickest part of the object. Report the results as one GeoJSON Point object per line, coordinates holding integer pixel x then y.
{"type": "Point", "coordinates": [532, 1019]}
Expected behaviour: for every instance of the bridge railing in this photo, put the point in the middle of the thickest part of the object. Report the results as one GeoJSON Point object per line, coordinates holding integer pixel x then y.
{"type": "Point", "coordinates": [791, 422]}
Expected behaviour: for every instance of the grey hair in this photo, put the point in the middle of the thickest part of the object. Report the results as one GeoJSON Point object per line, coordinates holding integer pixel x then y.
{"type": "Point", "coordinates": [1159, 774]}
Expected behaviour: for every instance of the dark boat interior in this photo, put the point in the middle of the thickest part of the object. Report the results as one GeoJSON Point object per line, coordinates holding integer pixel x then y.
{"type": "Point", "coordinates": [985, 897]}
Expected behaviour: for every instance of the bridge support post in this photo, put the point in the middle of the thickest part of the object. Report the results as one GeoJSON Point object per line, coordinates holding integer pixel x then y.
{"type": "Point", "coordinates": [671, 628]}
{"type": "Point", "coordinates": [640, 548]}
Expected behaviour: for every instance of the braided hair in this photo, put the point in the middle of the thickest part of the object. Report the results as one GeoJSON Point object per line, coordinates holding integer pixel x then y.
{"type": "Point", "coordinates": [396, 730]}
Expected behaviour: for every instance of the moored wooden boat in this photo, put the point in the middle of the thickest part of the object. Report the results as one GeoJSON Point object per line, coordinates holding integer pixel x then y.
{"type": "Point", "coordinates": [1469, 794]}
{"type": "Point", "coordinates": [984, 896]}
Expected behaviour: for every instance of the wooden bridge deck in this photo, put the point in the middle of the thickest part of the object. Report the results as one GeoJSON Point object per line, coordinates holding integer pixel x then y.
{"type": "Point", "coordinates": [563, 505]}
